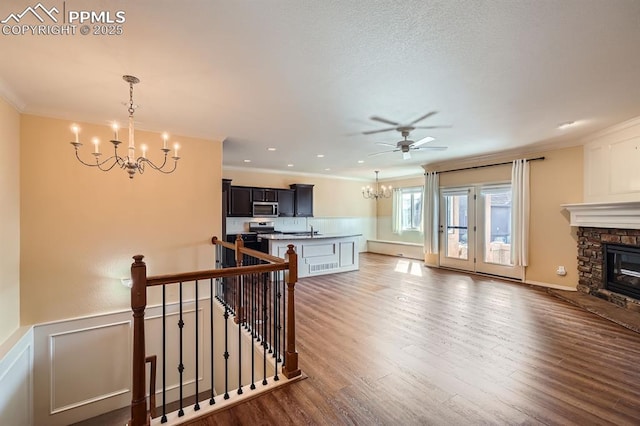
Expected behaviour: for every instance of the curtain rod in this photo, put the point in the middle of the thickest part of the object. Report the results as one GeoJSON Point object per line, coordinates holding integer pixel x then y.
{"type": "Point", "coordinates": [488, 165]}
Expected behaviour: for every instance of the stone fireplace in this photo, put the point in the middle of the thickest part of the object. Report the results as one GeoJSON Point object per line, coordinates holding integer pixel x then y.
{"type": "Point", "coordinates": [593, 265]}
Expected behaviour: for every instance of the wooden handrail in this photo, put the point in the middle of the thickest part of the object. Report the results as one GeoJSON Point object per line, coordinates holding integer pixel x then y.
{"type": "Point", "coordinates": [245, 250]}
{"type": "Point", "coordinates": [215, 273]}
{"type": "Point", "coordinates": [216, 241]}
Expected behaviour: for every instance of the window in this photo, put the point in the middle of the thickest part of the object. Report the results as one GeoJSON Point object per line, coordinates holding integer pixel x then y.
{"type": "Point", "coordinates": [408, 210]}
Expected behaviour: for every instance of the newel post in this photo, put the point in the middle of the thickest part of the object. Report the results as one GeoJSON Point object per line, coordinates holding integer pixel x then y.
{"type": "Point", "coordinates": [290, 368]}
{"type": "Point", "coordinates": [138, 304]}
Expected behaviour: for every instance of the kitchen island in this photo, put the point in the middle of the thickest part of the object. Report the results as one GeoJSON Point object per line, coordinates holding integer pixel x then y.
{"type": "Point", "coordinates": [318, 254]}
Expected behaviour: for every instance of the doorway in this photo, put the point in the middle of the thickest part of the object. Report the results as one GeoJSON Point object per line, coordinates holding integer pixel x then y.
{"type": "Point", "coordinates": [475, 229]}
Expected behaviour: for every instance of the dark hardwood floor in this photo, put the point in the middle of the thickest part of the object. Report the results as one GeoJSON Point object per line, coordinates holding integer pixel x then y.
{"type": "Point", "coordinates": [398, 343]}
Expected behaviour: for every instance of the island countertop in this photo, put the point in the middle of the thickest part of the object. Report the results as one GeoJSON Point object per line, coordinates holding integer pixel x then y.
{"type": "Point", "coordinates": [318, 255]}
{"type": "Point", "coordinates": [305, 236]}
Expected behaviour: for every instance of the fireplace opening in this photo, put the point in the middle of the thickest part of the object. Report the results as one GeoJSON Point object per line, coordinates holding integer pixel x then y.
{"type": "Point", "coordinates": [622, 264]}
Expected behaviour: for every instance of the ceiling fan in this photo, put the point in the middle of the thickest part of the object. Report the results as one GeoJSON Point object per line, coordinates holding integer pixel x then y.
{"type": "Point", "coordinates": [402, 128]}
{"type": "Point", "coordinates": [406, 146]}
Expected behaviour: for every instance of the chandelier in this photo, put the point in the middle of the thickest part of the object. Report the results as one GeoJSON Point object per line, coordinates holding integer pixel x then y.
{"type": "Point", "coordinates": [380, 191]}
{"type": "Point", "coordinates": [130, 163]}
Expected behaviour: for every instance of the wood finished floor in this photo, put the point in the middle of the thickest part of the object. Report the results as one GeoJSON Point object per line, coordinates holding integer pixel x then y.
{"type": "Point", "coordinates": [407, 345]}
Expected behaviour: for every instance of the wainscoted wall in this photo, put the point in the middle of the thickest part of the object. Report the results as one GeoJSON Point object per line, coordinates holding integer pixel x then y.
{"type": "Point", "coordinates": [82, 366]}
{"type": "Point", "coordinates": [16, 379]}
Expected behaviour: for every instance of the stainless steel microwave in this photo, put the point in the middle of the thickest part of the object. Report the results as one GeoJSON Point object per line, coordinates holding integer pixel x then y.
{"type": "Point", "coordinates": [265, 209]}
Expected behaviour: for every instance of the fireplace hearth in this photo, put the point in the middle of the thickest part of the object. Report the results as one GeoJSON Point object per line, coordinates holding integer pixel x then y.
{"type": "Point", "coordinates": [609, 265]}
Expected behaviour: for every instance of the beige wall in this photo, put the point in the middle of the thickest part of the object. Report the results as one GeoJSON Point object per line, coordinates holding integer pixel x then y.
{"type": "Point", "coordinates": [9, 220]}
{"type": "Point", "coordinates": [385, 206]}
{"type": "Point", "coordinates": [332, 197]}
{"type": "Point", "coordinates": [80, 226]}
{"type": "Point", "coordinates": [556, 180]}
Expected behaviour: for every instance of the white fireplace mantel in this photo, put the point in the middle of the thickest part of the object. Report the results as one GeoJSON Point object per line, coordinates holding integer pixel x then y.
{"type": "Point", "coordinates": [622, 215]}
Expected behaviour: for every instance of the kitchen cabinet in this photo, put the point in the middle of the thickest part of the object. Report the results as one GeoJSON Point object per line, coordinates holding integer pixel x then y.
{"type": "Point", "coordinates": [264, 194]}
{"type": "Point", "coordinates": [226, 186]}
{"type": "Point", "coordinates": [303, 200]}
{"type": "Point", "coordinates": [285, 202]}
{"type": "Point", "coordinates": [240, 201]}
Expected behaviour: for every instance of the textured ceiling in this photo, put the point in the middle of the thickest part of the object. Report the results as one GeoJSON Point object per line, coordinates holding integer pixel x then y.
{"type": "Point", "coordinates": [305, 76]}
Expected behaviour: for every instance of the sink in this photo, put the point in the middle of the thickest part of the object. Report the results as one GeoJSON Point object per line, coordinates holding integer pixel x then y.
{"type": "Point", "coordinates": [302, 234]}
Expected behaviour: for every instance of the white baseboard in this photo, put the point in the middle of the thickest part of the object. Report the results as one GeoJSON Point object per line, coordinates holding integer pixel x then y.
{"type": "Point", "coordinates": [549, 285]}
{"type": "Point", "coordinates": [396, 248]}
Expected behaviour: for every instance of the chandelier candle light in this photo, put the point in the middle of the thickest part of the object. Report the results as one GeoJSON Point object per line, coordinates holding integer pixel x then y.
{"type": "Point", "coordinates": [380, 191]}
{"type": "Point", "coordinates": [130, 162]}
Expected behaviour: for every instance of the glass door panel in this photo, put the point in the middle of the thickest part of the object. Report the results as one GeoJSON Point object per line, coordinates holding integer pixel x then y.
{"type": "Point", "coordinates": [494, 231]}
{"type": "Point", "coordinates": [457, 240]}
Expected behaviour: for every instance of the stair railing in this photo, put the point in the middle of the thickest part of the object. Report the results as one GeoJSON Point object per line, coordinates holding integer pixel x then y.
{"type": "Point", "coordinates": [254, 302]}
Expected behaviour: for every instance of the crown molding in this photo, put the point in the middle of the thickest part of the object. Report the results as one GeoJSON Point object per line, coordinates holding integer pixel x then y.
{"type": "Point", "coordinates": [292, 173]}
{"type": "Point", "coordinates": [635, 121]}
{"type": "Point", "coordinates": [10, 97]}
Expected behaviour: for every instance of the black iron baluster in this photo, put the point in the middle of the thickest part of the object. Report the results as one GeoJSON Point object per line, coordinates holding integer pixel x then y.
{"type": "Point", "coordinates": [226, 341]}
{"type": "Point", "coordinates": [264, 332]}
{"type": "Point", "coordinates": [212, 399]}
{"type": "Point", "coordinates": [276, 327]}
{"type": "Point", "coordinates": [181, 365]}
{"type": "Point", "coordinates": [240, 316]}
{"type": "Point", "coordinates": [197, 406]}
{"type": "Point", "coordinates": [252, 287]}
{"type": "Point", "coordinates": [164, 355]}
{"type": "Point", "coordinates": [281, 278]}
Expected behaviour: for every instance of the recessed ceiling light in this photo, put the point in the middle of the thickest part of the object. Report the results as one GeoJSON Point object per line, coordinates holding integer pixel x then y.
{"type": "Point", "coordinates": [271, 149]}
{"type": "Point", "coordinates": [247, 161]}
{"type": "Point", "coordinates": [320, 155]}
{"type": "Point", "coordinates": [327, 169]}
{"type": "Point", "coordinates": [360, 161]}
{"type": "Point", "coordinates": [289, 165]}
{"type": "Point", "coordinates": [566, 125]}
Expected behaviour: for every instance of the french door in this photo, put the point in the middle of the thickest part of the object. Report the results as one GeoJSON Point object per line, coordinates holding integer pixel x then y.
{"type": "Point", "coordinates": [475, 230]}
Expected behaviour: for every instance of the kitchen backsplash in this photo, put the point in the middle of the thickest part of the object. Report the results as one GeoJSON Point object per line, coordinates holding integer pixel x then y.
{"type": "Point", "coordinates": [324, 225]}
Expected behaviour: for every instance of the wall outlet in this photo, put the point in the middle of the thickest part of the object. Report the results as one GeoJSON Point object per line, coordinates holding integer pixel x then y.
{"type": "Point", "coordinates": [561, 271]}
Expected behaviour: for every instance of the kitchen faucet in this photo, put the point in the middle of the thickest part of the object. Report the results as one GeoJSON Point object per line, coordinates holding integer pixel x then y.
{"type": "Point", "coordinates": [311, 230]}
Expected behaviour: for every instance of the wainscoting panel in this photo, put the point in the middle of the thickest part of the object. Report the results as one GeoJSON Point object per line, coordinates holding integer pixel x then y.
{"type": "Point", "coordinates": [82, 368]}
{"type": "Point", "coordinates": [101, 353]}
{"type": "Point", "coordinates": [16, 383]}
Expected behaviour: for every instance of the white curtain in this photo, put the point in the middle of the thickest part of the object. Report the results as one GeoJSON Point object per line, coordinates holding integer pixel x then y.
{"type": "Point", "coordinates": [396, 213]}
{"type": "Point", "coordinates": [520, 212]}
{"type": "Point", "coordinates": [431, 199]}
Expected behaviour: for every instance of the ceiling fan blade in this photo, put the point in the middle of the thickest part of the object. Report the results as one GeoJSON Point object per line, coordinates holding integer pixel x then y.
{"type": "Point", "coordinates": [370, 132]}
{"type": "Point", "coordinates": [430, 148]}
{"type": "Point", "coordinates": [427, 115]}
{"type": "Point", "coordinates": [406, 155]}
{"type": "Point", "coordinates": [432, 127]}
{"type": "Point", "coordinates": [384, 120]}
{"type": "Point", "coordinates": [423, 141]}
{"type": "Point", "coordinates": [382, 152]}
{"type": "Point", "coordinates": [386, 144]}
